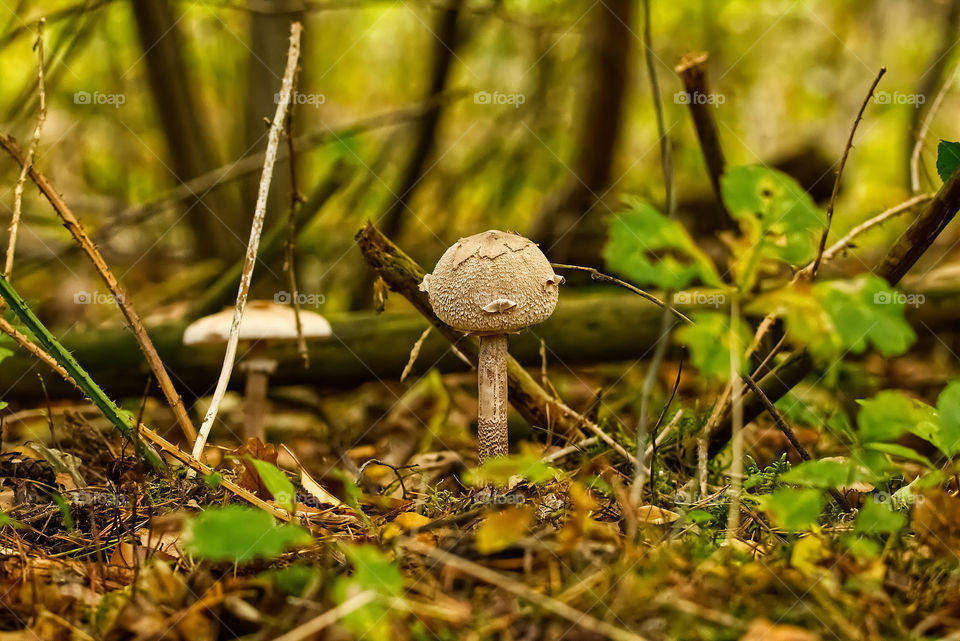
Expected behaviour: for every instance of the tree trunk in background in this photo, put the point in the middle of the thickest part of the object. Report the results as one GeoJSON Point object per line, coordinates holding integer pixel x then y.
{"type": "Point", "coordinates": [445, 32]}
{"type": "Point", "coordinates": [569, 227]}
{"type": "Point", "coordinates": [211, 216]}
{"type": "Point", "coordinates": [269, 39]}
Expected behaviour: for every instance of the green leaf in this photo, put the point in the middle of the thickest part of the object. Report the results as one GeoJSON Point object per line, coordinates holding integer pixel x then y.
{"type": "Point", "coordinates": [277, 483]}
{"type": "Point", "coordinates": [711, 340]}
{"type": "Point", "coordinates": [949, 407]}
{"type": "Point", "coordinates": [293, 579]}
{"type": "Point", "coordinates": [901, 451]}
{"type": "Point", "coordinates": [648, 248]}
{"type": "Point", "coordinates": [373, 570]}
{"type": "Point", "coordinates": [776, 214]}
{"type": "Point", "coordinates": [238, 533]}
{"type": "Point", "coordinates": [878, 518]}
{"type": "Point", "coordinates": [807, 323]}
{"type": "Point", "coordinates": [948, 159]}
{"type": "Point", "coordinates": [794, 510]}
{"type": "Point", "coordinates": [865, 310]}
{"type": "Point", "coordinates": [823, 474]}
{"type": "Point", "coordinates": [500, 469]}
{"type": "Point", "coordinates": [213, 480]}
{"type": "Point", "coordinates": [891, 414]}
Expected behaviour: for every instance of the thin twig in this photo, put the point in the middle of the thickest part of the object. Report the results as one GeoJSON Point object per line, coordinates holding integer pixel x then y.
{"type": "Point", "coordinates": [24, 341]}
{"type": "Point", "coordinates": [273, 142]}
{"type": "Point", "coordinates": [414, 353]}
{"type": "Point", "coordinates": [309, 629]}
{"type": "Point", "coordinates": [843, 163]}
{"type": "Point", "coordinates": [666, 148]}
{"type": "Point", "coordinates": [788, 432]}
{"type": "Point", "coordinates": [582, 619]}
{"type": "Point", "coordinates": [31, 152]}
{"type": "Point", "coordinates": [640, 470]}
{"type": "Point", "coordinates": [736, 404]}
{"type": "Point", "coordinates": [925, 129]}
{"type": "Point", "coordinates": [290, 244]}
{"type": "Point", "coordinates": [119, 295]}
{"type": "Point", "coordinates": [605, 278]}
{"type": "Point", "coordinates": [882, 217]}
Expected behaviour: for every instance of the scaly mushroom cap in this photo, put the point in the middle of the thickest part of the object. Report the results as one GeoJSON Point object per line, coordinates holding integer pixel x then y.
{"type": "Point", "coordinates": [492, 283]}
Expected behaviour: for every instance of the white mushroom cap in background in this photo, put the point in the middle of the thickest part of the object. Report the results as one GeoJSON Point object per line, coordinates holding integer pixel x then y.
{"type": "Point", "coordinates": [262, 320]}
{"type": "Point", "coordinates": [492, 283]}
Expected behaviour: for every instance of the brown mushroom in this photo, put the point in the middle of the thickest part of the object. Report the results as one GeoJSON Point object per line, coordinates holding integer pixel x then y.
{"type": "Point", "coordinates": [492, 284]}
{"type": "Point", "coordinates": [263, 322]}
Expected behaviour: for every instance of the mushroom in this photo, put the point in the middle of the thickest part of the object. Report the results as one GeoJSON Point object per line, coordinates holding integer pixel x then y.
{"type": "Point", "coordinates": [263, 322]}
{"type": "Point", "coordinates": [492, 284]}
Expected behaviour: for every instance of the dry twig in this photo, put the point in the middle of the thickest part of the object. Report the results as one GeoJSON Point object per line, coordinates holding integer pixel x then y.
{"type": "Point", "coordinates": [273, 143]}
{"type": "Point", "coordinates": [31, 152]}
{"type": "Point", "coordinates": [843, 163]}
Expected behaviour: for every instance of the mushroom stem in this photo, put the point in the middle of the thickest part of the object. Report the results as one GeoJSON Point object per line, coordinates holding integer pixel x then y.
{"type": "Point", "coordinates": [492, 380]}
{"type": "Point", "coordinates": [254, 405]}
{"type": "Point", "coordinates": [258, 367]}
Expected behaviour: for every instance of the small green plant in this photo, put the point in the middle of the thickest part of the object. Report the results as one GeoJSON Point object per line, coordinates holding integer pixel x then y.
{"type": "Point", "coordinates": [766, 480]}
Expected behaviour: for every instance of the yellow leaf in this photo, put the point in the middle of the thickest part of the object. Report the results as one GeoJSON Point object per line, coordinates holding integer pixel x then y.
{"type": "Point", "coordinates": [764, 630]}
{"type": "Point", "coordinates": [404, 522]}
{"type": "Point", "coordinates": [655, 515]}
{"type": "Point", "coordinates": [500, 529]}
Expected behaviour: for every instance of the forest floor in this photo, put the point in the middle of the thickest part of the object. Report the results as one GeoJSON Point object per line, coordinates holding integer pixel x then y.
{"type": "Point", "coordinates": [545, 544]}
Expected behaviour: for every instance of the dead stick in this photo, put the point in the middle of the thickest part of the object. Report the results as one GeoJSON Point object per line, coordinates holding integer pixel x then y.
{"type": "Point", "coordinates": [693, 71]}
{"type": "Point", "coordinates": [31, 152]}
{"type": "Point", "coordinates": [133, 319]}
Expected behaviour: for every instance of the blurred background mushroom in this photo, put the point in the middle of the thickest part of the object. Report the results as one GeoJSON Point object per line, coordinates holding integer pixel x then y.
{"type": "Point", "coordinates": [263, 322]}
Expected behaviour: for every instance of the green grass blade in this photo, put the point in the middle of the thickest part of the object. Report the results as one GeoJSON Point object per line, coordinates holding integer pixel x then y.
{"type": "Point", "coordinates": [120, 419]}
